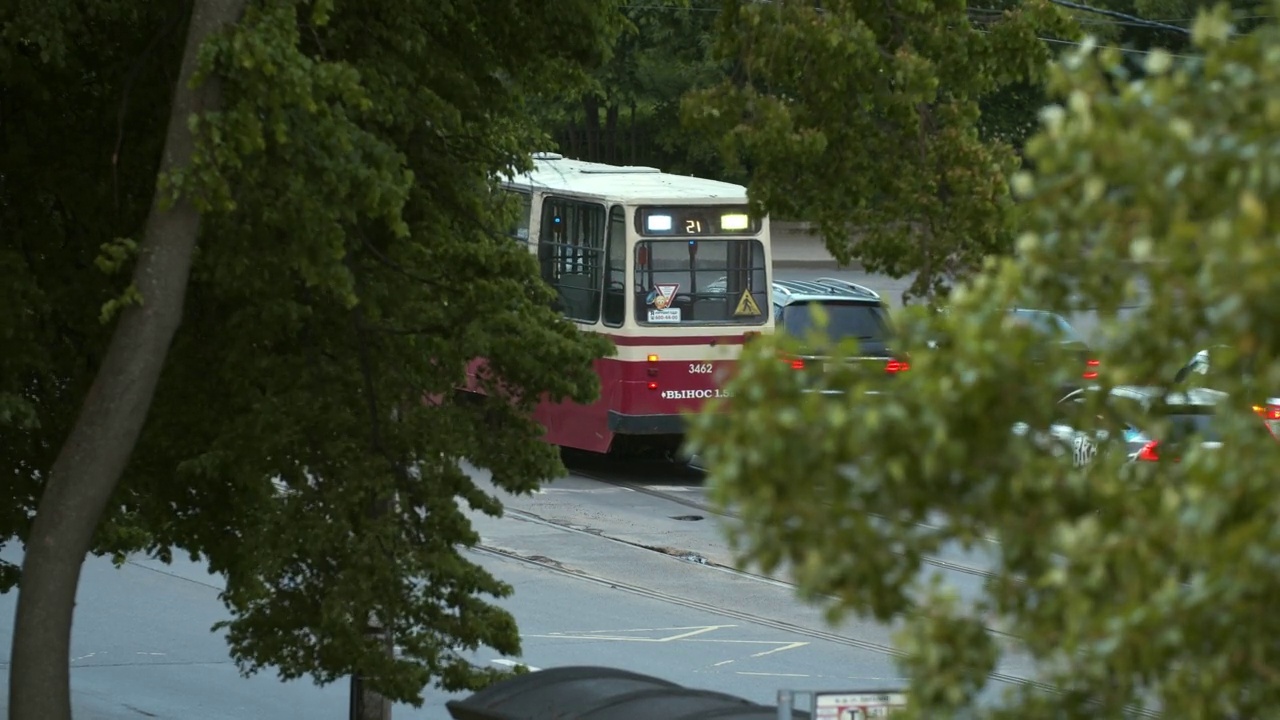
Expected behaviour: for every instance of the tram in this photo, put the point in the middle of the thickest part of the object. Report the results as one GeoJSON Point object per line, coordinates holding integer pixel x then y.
{"type": "Point", "coordinates": [672, 268]}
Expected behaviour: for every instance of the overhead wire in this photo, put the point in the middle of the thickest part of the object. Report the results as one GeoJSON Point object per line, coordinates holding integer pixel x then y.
{"type": "Point", "coordinates": [1115, 18]}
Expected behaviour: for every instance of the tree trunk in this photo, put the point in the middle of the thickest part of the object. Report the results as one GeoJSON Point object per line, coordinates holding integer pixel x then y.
{"type": "Point", "coordinates": [591, 110]}
{"type": "Point", "coordinates": [611, 131]}
{"type": "Point", "coordinates": [95, 454]}
{"type": "Point", "coordinates": [631, 129]}
{"type": "Point", "coordinates": [366, 703]}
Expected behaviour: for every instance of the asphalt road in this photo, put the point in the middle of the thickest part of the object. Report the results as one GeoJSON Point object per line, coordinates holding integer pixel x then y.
{"type": "Point", "coordinates": [628, 537]}
{"type": "Point", "coordinates": [587, 593]}
{"type": "Point", "coordinates": [670, 509]}
{"type": "Point", "coordinates": [567, 621]}
{"type": "Point", "coordinates": [142, 645]}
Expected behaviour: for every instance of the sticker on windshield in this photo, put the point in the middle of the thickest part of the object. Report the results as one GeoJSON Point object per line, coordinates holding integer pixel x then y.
{"type": "Point", "coordinates": [662, 294]}
{"type": "Point", "coordinates": [670, 315]}
{"type": "Point", "coordinates": [747, 305]}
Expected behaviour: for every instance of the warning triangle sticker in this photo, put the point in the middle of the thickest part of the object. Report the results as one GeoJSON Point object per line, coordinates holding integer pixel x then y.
{"type": "Point", "coordinates": [666, 293]}
{"type": "Point", "coordinates": [747, 305]}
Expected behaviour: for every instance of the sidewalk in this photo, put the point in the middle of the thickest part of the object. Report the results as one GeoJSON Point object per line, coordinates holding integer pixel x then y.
{"type": "Point", "coordinates": [795, 245]}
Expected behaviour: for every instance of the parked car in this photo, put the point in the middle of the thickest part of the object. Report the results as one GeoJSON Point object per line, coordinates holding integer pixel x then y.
{"type": "Point", "coordinates": [852, 312]}
{"type": "Point", "coordinates": [1054, 329]}
{"type": "Point", "coordinates": [1067, 436]}
{"type": "Point", "coordinates": [1187, 415]}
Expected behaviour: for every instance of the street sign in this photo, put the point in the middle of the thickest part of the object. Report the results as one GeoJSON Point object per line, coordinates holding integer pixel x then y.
{"type": "Point", "coordinates": [857, 705]}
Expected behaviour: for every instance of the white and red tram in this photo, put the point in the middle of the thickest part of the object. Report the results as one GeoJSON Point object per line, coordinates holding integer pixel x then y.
{"type": "Point", "coordinates": [672, 268]}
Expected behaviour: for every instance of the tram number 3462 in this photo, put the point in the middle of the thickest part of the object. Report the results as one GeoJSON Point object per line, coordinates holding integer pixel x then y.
{"type": "Point", "coordinates": [700, 368]}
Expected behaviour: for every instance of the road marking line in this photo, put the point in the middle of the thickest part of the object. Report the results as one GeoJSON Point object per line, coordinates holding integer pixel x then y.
{"type": "Point", "coordinates": [722, 662]}
{"type": "Point", "coordinates": [616, 634]}
{"type": "Point", "coordinates": [616, 638]}
{"type": "Point", "coordinates": [741, 642]}
{"type": "Point", "coordinates": [635, 630]}
{"type": "Point", "coordinates": [764, 674]}
{"type": "Point", "coordinates": [597, 491]}
{"type": "Point", "coordinates": [513, 663]}
{"type": "Point", "coordinates": [695, 632]}
{"type": "Point", "coordinates": [792, 646]}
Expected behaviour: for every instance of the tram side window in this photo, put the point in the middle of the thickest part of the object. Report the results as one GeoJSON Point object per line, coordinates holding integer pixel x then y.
{"type": "Point", "coordinates": [615, 288]}
{"type": "Point", "coordinates": [571, 253]}
{"type": "Point", "coordinates": [524, 208]}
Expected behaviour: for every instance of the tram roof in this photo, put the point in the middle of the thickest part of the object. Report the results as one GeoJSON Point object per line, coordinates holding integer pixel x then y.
{"type": "Point", "coordinates": [556, 173]}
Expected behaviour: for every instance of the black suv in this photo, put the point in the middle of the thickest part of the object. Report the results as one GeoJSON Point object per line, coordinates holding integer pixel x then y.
{"type": "Point", "coordinates": [852, 310]}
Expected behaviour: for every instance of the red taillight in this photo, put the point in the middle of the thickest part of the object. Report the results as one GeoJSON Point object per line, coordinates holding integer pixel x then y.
{"type": "Point", "coordinates": [1091, 373]}
{"type": "Point", "coordinates": [797, 364]}
{"type": "Point", "coordinates": [1148, 453]}
{"type": "Point", "coordinates": [653, 386]}
{"type": "Point", "coordinates": [896, 366]}
{"type": "Point", "coordinates": [1268, 412]}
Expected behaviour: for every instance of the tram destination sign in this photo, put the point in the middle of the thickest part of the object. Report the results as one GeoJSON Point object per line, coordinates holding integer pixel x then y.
{"type": "Point", "coordinates": [857, 705]}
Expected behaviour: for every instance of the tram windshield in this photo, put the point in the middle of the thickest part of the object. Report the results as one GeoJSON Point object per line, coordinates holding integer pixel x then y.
{"type": "Point", "coordinates": [701, 282]}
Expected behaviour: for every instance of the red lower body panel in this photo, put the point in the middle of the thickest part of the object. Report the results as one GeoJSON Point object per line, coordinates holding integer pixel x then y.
{"type": "Point", "coordinates": [637, 398]}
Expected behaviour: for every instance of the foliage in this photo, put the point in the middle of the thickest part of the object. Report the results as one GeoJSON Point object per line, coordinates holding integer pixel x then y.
{"type": "Point", "coordinates": [631, 111]}
{"type": "Point", "coordinates": [1126, 582]}
{"type": "Point", "coordinates": [353, 261]}
{"type": "Point", "coordinates": [861, 117]}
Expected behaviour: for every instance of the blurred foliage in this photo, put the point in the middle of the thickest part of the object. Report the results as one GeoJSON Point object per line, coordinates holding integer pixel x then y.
{"type": "Point", "coordinates": [353, 260]}
{"type": "Point", "coordinates": [1124, 583]}
{"type": "Point", "coordinates": [862, 117]}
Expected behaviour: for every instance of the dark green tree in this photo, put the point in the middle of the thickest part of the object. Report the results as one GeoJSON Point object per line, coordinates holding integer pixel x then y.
{"type": "Point", "coordinates": [862, 117]}
{"type": "Point", "coordinates": [289, 381]}
{"type": "Point", "coordinates": [1127, 583]}
{"type": "Point", "coordinates": [631, 111]}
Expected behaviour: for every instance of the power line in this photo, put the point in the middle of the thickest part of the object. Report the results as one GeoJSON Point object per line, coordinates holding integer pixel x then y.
{"type": "Point", "coordinates": [1134, 22]}
{"type": "Point", "coordinates": [1121, 16]}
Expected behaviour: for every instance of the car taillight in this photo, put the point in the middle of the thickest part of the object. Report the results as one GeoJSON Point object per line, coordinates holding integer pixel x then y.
{"type": "Point", "coordinates": [1270, 414]}
{"type": "Point", "coordinates": [1267, 412]}
{"type": "Point", "coordinates": [896, 366]}
{"type": "Point", "coordinates": [1148, 453]}
{"type": "Point", "coordinates": [1091, 371]}
{"type": "Point", "coordinates": [797, 364]}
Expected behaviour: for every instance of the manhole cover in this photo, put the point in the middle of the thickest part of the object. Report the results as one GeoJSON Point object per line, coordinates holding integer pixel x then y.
{"type": "Point", "coordinates": [688, 518]}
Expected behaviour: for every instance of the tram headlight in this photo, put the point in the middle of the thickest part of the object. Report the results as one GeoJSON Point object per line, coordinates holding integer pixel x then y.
{"type": "Point", "coordinates": [735, 221]}
{"type": "Point", "coordinates": [658, 223]}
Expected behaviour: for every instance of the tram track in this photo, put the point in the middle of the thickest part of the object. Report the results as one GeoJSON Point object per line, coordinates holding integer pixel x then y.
{"type": "Point", "coordinates": [703, 506]}
{"type": "Point", "coordinates": [556, 567]}
{"type": "Point", "coordinates": [626, 480]}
